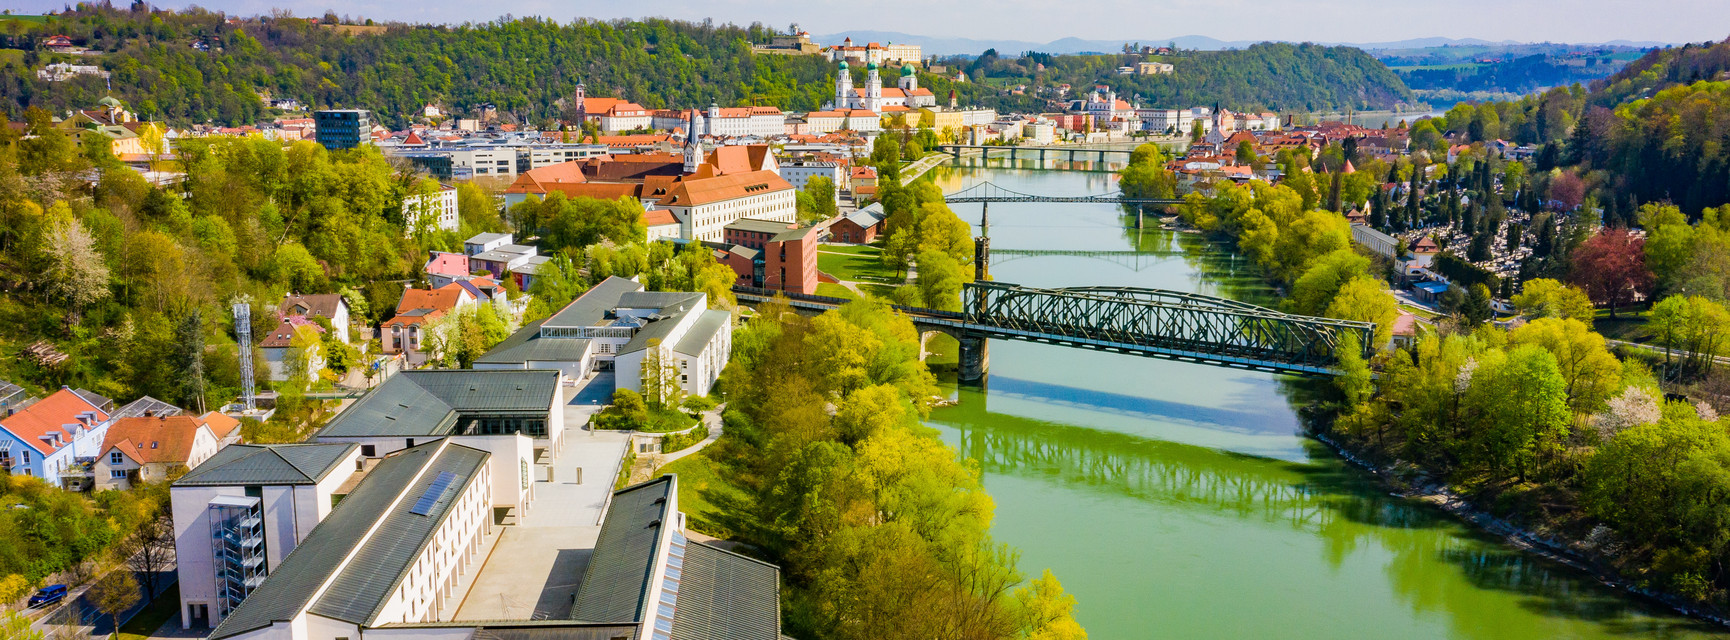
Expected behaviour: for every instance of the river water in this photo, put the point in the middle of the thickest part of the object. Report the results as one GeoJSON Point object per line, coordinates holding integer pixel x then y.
{"type": "Point", "coordinates": [1181, 501]}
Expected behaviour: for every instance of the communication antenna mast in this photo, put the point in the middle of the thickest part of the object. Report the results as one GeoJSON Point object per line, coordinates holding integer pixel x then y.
{"type": "Point", "coordinates": [243, 333]}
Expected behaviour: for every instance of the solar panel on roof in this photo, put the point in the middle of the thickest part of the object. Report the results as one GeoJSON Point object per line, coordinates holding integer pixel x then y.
{"type": "Point", "coordinates": [435, 493]}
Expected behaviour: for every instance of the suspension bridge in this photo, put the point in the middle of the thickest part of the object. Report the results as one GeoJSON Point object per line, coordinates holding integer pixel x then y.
{"type": "Point", "coordinates": [1132, 260]}
{"type": "Point", "coordinates": [986, 192]}
{"type": "Point", "coordinates": [1155, 323]}
{"type": "Point", "coordinates": [1013, 153]}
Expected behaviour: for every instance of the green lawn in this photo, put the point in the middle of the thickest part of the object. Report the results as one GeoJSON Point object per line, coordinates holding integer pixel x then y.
{"type": "Point", "coordinates": [835, 291]}
{"type": "Point", "coordinates": [854, 263]}
{"type": "Point", "coordinates": [859, 249]}
{"type": "Point", "coordinates": [152, 617]}
{"type": "Point", "coordinates": [698, 474]}
{"type": "Point", "coordinates": [1629, 325]}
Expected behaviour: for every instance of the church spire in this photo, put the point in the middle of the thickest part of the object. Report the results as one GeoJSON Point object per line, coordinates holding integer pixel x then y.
{"type": "Point", "coordinates": [693, 148]}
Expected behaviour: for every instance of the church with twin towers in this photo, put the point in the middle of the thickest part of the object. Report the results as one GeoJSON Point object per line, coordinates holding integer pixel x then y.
{"type": "Point", "coordinates": [905, 96]}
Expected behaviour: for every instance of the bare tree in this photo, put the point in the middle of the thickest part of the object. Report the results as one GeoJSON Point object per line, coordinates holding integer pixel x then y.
{"type": "Point", "coordinates": [152, 552]}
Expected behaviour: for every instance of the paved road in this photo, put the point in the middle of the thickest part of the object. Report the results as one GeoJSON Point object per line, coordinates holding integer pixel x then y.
{"type": "Point", "coordinates": [78, 617]}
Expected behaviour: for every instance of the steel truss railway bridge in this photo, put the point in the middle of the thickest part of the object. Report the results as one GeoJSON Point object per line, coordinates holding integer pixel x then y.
{"type": "Point", "coordinates": [1155, 323]}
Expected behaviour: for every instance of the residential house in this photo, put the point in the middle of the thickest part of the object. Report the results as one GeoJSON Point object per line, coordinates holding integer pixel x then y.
{"type": "Point", "coordinates": [278, 347]}
{"type": "Point", "coordinates": [405, 332]}
{"type": "Point", "coordinates": [443, 268]}
{"type": "Point", "coordinates": [155, 448]}
{"type": "Point", "coordinates": [330, 306]}
{"type": "Point", "coordinates": [39, 439]}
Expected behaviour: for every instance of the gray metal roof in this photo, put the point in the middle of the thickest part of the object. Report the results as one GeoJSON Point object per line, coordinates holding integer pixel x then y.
{"type": "Point", "coordinates": [488, 390]}
{"type": "Point", "coordinates": [530, 629]}
{"type": "Point", "coordinates": [658, 299]}
{"type": "Point", "coordinates": [704, 330]}
{"type": "Point", "coordinates": [615, 585]}
{"type": "Point", "coordinates": [383, 560]}
{"type": "Point", "coordinates": [100, 401]}
{"type": "Point", "coordinates": [274, 464]}
{"type": "Point", "coordinates": [146, 405]}
{"type": "Point", "coordinates": [726, 596]}
{"type": "Point", "coordinates": [428, 403]}
{"type": "Point", "coordinates": [758, 226]}
{"type": "Point", "coordinates": [591, 308]}
{"type": "Point", "coordinates": [537, 349]}
{"type": "Point", "coordinates": [866, 217]}
{"type": "Point", "coordinates": [290, 588]}
{"type": "Point", "coordinates": [656, 330]}
{"type": "Point", "coordinates": [483, 238]}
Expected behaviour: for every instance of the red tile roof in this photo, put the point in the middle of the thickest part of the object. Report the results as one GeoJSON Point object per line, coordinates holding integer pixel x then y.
{"type": "Point", "coordinates": [49, 416]}
{"type": "Point", "coordinates": [163, 440]}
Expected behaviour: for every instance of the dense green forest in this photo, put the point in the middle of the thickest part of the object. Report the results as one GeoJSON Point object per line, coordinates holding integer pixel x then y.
{"type": "Point", "coordinates": [528, 67]}
{"type": "Point", "coordinates": [1267, 76]}
{"type": "Point", "coordinates": [524, 66]}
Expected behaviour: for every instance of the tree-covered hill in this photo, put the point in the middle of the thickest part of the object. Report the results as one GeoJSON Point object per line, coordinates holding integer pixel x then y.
{"type": "Point", "coordinates": [1663, 68]}
{"type": "Point", "coordinates": [199, 66]}
{"type": "Point", "coordinates": [525, 67]}
{"type": "Point", "coordinates": [1268, 76]}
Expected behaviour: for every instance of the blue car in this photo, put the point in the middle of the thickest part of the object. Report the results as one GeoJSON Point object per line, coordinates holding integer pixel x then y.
{"type": "Point", "coordinates": [48, 595]}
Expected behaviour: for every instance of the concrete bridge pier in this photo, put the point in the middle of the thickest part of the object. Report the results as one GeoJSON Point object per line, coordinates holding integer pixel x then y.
{"type": "Point", "coordinates": [975, 360]}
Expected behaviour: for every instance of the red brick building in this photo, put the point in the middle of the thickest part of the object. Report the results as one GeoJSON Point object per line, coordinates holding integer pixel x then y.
{"type": "Point", "coordinates": [786, 254]}
{"type": "Point", "coordinates": [859, 227]}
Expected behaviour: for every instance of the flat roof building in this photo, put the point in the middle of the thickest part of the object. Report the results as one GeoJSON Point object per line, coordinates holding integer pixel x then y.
{"type": "Point", "coordinates": [610, 327]}
{"type": "Point", "coordinates": [390, 552]}
{"type": "Point", "coordinates": [342, 128]}
{"type": "Point", "coordinates": [238, 515]}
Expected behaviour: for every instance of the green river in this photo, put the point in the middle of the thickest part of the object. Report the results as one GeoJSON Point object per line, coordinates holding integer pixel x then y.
{"type": "Point", "coordinates": [1182, 501]}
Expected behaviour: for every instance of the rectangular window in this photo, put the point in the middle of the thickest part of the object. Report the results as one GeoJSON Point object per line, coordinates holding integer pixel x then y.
{"type": "Point", "coordinates": [114, 458]}
{"type": "Point", "coordinates": [369, 451]}
{"type": "Point", "coordinates": [116, 474]}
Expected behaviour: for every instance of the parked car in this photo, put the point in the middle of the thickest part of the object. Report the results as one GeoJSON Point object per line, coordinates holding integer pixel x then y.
{"type": "Point", "coordinates": [48, 595]}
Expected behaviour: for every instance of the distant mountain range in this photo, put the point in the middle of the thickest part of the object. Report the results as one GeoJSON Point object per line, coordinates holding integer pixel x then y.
{"type": "Point", "coordinates": [933, 45]}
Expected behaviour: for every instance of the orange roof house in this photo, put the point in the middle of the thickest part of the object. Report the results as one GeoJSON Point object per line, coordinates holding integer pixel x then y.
{"type": "Point", "coordinates": [50, 425]}
{"type": "Point", "coordinates": [152, 448]}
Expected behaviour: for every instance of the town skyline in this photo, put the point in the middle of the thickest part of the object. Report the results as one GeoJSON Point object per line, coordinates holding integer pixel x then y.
{"type": "Point", "coordinates": [1301, 21]}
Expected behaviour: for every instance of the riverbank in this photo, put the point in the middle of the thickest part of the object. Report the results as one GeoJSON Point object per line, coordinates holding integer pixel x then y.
{"type": "Point", "coordinates": [1428, 490]}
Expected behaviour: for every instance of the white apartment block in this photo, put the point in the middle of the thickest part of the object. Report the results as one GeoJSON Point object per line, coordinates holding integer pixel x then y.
{"type": "Point", "coordinates": [238, 515]}
{"type": "Point", "coordinates": [391, 552]}
{"type": "Point", "coordinates": [437, 210]}
{"type": "Point", "coordinates": [800, 172]}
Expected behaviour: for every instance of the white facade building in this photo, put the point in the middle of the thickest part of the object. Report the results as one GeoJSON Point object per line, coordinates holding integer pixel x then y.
{"type": "Point", "coordinates": [612, 324]}
{"type": "Point", "coordinates": [437, 210]}
{"type": "Point", "coordinates": [393, 553]}
{"type": "Point", "coordinates": [289, 488]}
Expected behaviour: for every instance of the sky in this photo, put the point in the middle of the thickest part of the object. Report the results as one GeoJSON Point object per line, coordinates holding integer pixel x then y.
{"type": "Point", "coordinates": [1045, 20]}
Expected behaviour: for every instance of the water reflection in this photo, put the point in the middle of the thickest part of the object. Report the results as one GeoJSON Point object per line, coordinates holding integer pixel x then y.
{"type": "Point", "coordinates": [1179, 500]}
